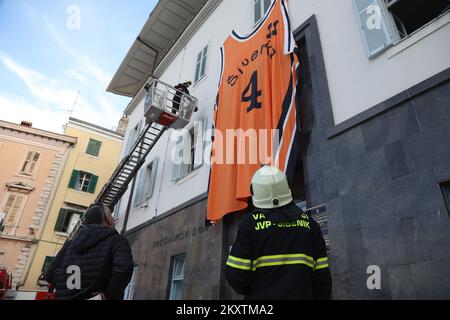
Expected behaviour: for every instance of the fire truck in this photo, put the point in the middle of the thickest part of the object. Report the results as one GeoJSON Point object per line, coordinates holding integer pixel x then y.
{"type": "Point", "coordinates": [5, 282]}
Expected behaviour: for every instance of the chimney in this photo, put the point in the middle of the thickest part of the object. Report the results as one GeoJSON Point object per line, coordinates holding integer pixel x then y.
{"type": "Point", "coordinates": [27, 124]}
{"type": "Point", "coordinates": [122, 126]}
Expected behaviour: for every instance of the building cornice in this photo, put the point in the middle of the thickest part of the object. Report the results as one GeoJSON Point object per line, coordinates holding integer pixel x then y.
{"type": "Point", "coordinates": [187, 35]}
{"type": "Point", "coordinates": [38, 132]}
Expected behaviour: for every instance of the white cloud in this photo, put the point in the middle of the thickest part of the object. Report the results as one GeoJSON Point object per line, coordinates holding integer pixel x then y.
{"type": "Point", "coordinates": [85, 63]}
{"type": "Point", "coordinates": [15, 109]}
{"type": "Point", "coordinates": [51, 99]}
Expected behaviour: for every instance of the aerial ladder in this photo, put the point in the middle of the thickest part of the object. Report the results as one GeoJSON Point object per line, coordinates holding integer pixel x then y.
{"type": "Point", "coordinates": [165, 107]}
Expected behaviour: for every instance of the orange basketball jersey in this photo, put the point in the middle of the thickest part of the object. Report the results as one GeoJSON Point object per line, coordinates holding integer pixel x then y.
{"type": "Point", "coordinates": [257, 91]}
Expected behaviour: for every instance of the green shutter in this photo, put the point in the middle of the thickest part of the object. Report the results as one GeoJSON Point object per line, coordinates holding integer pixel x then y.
{"type": "Point", "coordinates": [92, 184]}
{"type": "Point", "coordinates": [61, 219]}
{"type": "Point", "coordinates": [73, 179]}
{"type": "Point", "coordinates": [48, 260]}
{"type": "Point", "coordinates": [93, 147]}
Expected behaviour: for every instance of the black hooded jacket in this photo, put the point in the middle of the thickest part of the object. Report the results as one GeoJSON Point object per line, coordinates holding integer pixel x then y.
{"type": "Point", "coordinates": [105, 263]}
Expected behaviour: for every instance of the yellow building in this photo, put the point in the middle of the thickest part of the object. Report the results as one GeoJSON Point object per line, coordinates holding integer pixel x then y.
{"type": "Point", "coordinates": [89, 166]}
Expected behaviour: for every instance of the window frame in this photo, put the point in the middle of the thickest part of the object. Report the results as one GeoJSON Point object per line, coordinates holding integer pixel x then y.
{"type": "Point", "coordinates": [176, 278]}
{"type": "Point", "coordinates": [201, 65]}
{"type": "Point", "coordinates": [262, 10]}
{"type": "Point", "coordinates": [396, 33]}
{"type": "Point", "coordinates": [130, 289]}
{"type": "Point", "coordinates": [20, 209]}
{"type": "Point", "coordinates": [79, 186]}
{"type": "Point", "coordinates": [189, 154]}
{"type": "Point", "coordinates": [31, 163]}
{"type": "Point", "coordinates": [444, 186]}
{"type": "Point", "coordinates": [98, 142]}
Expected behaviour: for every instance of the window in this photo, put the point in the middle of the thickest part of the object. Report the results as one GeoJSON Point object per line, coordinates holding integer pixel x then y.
{"type": "Point", "coordinates": [93, 147]}
{"type": "Point", "coordinates": [410, 15]}
{"type": "Point", "coordinates": [200, 70]}
{"type": "Point", "coordinates": [177, 277]}
{"type": "Point", "coordinates": [145, 183]}
{"type": "Point", "coordinates": [260, 9]}
{"type": "Point", "coordinates": [48, 260]}
{"type": "Point", "coordinates": [190, 147]}
{"type": "Point", "coordinates": [67, 220]}
{"type": "Point", "coordinates": [83, 181]}
{"type": "Point", "coordinates": [133, 136]}
{"type": "Point", "coordinates": [445, 188]}
{"type": "Point", "coordinates": [13, 208]}
{"type": "Point", "coordinates": [30, 163]}
{"type": "Point", "coordinates": [385, 22]}
{"type": "Point", "coordinates": [129, 290]}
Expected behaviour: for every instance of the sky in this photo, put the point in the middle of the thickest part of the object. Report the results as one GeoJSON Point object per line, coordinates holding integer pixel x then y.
{"type": "Point", "coordinates": [51, 50]}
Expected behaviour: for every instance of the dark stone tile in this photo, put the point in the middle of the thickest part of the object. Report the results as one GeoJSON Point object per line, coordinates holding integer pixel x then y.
{"type": "Point", "coordinates": [396, 159]}
{"type": "Point", "coordinates": [442, 270]}
{"type": "Point", "coordinates": [442, 172]}
{"type": "Point", "coordinates": [335, 219]}
{"type": "Point", "coordinates": [377, 170]}
{"type": "Point", "coordinates": [350, 147]}
{"type": "Point", "coordinates": [353, 177]}
{"type": "Point", "coordinates": [428, 111]}
{"type": "Point", "coordinates": [378, 208]}
{"type": "Point", "coordinates": [327, 155]}
{"type": "Point", "coordinates": [405, 118]}
{"type": "Point", "coordinates": [312, 167]}
{"type": "Point", "coordinates": [379, 131]}
{"type": "Point", "coordinates": [417, 151]}
{"type": "Point", "coordinates": [330, 185]}
{"type": "Point", "coordinates": [385, 244]}
{"type": "Point", "coordinates": [400, 283]}
{"type": "Point", "coordinates": [350, 213]}
{"type": "Point", "coordinates": [438, 141]}
{"type": "Point", "coordinates": [339, 262]}
{"type": "Point", "coordinates": [314, 192]}
{"type": "Point", "coordinates": [341, 289]}
{"type": "Point", "coordinates": [417, 246]}
{"type": "Point", "coordinates": [425, 280]}
{"type": "Point", "coordinates": [436, 225]}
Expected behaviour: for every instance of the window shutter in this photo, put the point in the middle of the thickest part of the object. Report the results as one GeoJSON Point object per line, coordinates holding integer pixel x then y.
{"type": "Point", "coordinates": [61, 219]}
{"type": "Point", "coordinates": [152, 178]}
{"type": "Point", "coordinates": [73, 179]}
{"type": "Point", "coordinates": [138, 188]}
{"type": "Point", "coordinates": [200, 142]}
{"type": "Point", "coordinates": [48, 260]}
{"type": "Point", "coordinates": [178, 163]}
{"type": "Point", "coordinates": [375, 26]}
{"type": "Point", "coordinates": [92, 184]}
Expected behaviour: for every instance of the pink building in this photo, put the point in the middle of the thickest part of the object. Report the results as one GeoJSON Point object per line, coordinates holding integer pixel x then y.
{"type": "Point", "coordinates": [31, 162]}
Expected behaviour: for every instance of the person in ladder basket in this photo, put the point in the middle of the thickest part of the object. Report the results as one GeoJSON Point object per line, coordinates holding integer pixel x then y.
{"type": "Point", "coordinates": [279, 252]}
{"type": "Point", "coordinates": [181, 87]}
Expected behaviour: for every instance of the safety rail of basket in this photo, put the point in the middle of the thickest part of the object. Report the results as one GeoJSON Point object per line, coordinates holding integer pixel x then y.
{"type": "Point", "coordinates": [161, 95]}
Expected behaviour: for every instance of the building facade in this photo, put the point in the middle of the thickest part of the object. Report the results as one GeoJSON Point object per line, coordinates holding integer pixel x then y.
{"type": "Point", "coordinates": [374, 90]}
{"type": "Point", "coordinates": [89, 166]}
{"type": "Point", "coordinates": [31, 163]}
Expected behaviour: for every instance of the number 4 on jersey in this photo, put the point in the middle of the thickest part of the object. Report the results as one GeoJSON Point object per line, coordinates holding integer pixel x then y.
{"type": "Point", "coordinates": [254, 94]}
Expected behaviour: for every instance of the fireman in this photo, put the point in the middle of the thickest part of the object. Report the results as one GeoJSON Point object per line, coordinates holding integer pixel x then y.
{"type": "Point", "coordinates": [279, 252]}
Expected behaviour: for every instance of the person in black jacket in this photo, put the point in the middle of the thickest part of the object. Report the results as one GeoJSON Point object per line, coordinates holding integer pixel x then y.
{"type": "Point", "coordinates": [182, 88]}
{"type": "Point", "coordinates": [279, 252]}
{"type": "Point", "coordinates": [102, 255]}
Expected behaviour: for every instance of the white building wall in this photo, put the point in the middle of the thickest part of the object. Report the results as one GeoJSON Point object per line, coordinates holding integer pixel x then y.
{"type": "Point", "coordinates": [356, 83]}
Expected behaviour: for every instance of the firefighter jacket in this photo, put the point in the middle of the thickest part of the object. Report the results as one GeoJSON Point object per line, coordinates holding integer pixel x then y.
{"type": "Point", "coordinates": [279, 254]}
